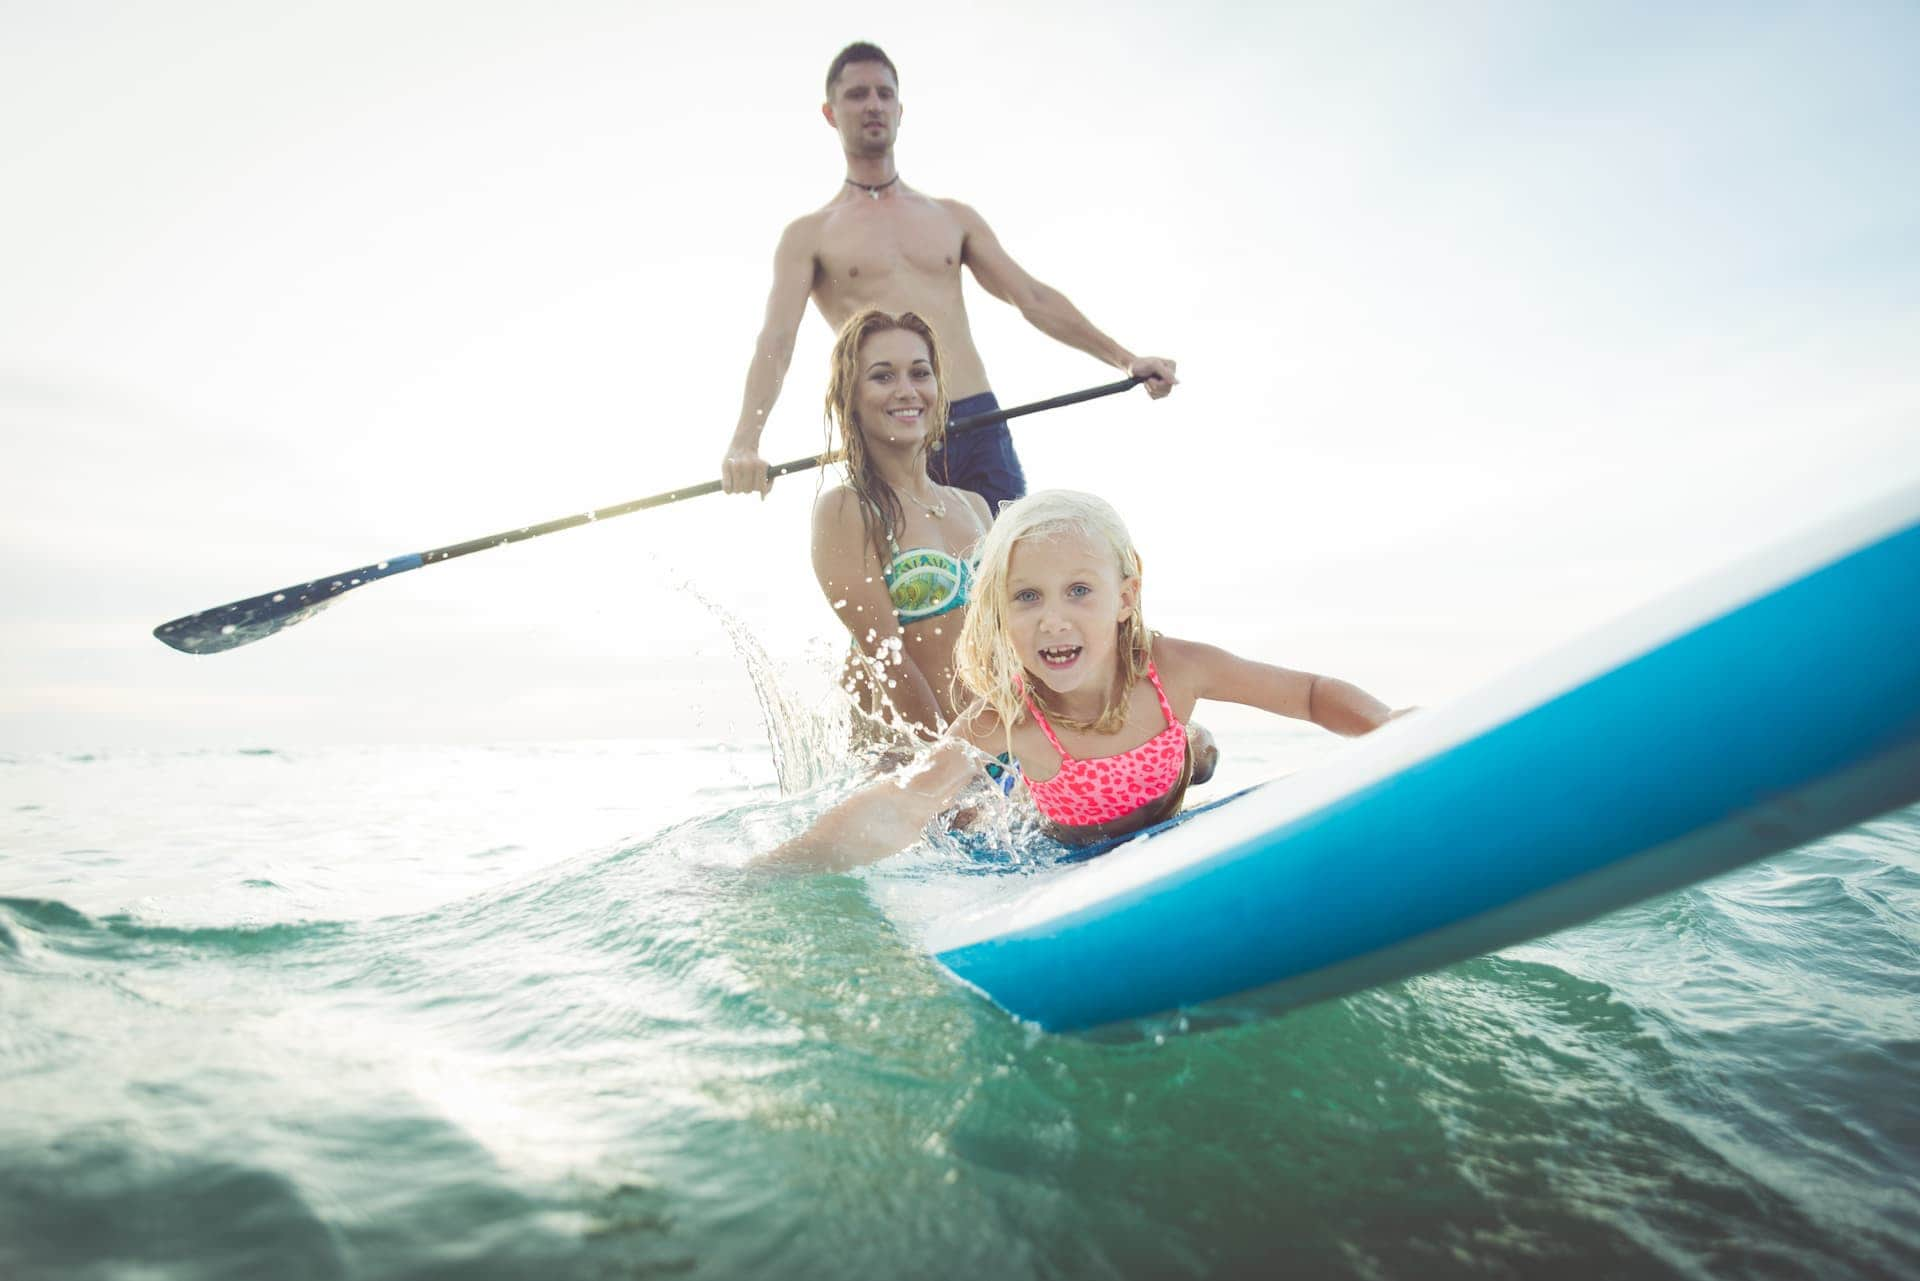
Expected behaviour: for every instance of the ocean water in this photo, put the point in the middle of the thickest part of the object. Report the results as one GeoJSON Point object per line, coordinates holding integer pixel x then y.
{"type": "Point", "coordinates": [521, 1012]}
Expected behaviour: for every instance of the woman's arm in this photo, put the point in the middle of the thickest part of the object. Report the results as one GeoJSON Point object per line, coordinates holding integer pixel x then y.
{"type": "Point", "coordinates": [849, 574]}
{"type": "Point", "coordinates": [1328, 702]}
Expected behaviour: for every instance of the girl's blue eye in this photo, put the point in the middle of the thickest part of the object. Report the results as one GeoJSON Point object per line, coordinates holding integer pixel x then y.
{"type": "Point", "coordinates": [1026, 596]}
{"type": "Point", "coordinates": [1079, 589]}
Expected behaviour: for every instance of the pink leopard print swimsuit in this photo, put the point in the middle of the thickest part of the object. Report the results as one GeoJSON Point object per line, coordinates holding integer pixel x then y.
{"type": "Point", "coordinates": [1099, 789]}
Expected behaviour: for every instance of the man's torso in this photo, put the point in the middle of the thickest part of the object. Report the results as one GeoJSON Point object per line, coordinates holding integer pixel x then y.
{"type": "Point", "coordinates": [900, 253]}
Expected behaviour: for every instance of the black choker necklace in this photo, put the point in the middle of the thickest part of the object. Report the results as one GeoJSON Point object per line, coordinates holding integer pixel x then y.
{"type": "Point", "coordinates": [874, 191]}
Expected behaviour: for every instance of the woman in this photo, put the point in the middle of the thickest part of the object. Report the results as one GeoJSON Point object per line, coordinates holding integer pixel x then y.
{"type": "Point", "coordinates": [891, 548]}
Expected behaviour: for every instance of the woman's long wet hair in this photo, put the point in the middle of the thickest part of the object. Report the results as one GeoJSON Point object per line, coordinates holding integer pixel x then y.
{"type": "Point", "coordinates": [880, 510]}
{"type": "Point", "coordinates": [985, 661]}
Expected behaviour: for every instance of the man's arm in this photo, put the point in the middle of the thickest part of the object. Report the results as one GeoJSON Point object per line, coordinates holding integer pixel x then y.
{"type": "Point", "coordinates": [1046, 308]}
{"type": "Point", "coordinates": [743, 470]}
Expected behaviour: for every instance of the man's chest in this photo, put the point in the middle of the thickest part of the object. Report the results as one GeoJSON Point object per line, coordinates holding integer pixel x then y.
{"type": "Point", "coordinates": [864, 251]}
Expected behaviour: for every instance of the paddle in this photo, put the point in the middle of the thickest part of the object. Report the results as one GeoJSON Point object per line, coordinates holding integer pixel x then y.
{"type": "Point", "coordinates": [225, 627]}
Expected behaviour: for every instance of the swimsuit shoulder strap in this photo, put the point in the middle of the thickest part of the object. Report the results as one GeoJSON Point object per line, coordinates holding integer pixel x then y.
{"type": "Point", "coordinates": [1166, 708]}
{"type": "Point", "coordinates": [983, 528]}
{"type": "Point", "coordinates": [893, 548]}
{"type": "Point", "coordinates": [1033, 710]}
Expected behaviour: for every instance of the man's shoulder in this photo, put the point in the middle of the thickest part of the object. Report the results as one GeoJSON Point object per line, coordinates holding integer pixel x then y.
{"type": "Point", "coordinates": [958, 209]}
{"type": "Point", "coordinates": [805, 230]}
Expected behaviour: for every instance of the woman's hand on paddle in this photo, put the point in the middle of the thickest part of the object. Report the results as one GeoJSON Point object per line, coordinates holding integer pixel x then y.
{"type": "Point", "coordinates": [744, 471]}
{"type": "Point", "coordinates": [1158, 373]}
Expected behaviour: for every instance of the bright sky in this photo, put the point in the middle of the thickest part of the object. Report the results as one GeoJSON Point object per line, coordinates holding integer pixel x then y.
{"type": "Point", "coordinates": [1495, 320]}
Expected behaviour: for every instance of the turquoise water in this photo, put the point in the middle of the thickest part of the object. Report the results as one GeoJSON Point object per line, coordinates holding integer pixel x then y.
{"type": "Point", "coordinates": [519, 1012]}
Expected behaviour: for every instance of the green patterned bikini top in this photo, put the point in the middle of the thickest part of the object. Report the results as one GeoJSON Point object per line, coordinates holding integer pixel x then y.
{"type": "Point", "coordinates": [925, 582]}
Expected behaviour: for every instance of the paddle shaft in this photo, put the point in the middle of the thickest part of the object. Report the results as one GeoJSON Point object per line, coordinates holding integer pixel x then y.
{"type": "Point", "coordinates": [227, 627]}
{"type": "Point", "coordinates": [972, 422]}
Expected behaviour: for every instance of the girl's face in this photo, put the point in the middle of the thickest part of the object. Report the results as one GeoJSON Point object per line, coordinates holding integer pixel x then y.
{"type": "Point", "coordinates": [1065, 603]}
{"type": "Point", "coordinates": [896, 390]}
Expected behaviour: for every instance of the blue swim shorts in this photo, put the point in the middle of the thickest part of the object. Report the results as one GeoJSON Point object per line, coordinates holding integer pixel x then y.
{"type": "Point", "coordinates": [982, 459]}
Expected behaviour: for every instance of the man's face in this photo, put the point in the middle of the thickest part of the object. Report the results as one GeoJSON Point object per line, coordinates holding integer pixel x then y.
{"type": "Point", "coordinates": [865, 108]}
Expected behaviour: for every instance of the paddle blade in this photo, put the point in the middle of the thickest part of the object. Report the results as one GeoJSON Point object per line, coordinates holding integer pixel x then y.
{"type": "Point", "coordinates": [225, 627]}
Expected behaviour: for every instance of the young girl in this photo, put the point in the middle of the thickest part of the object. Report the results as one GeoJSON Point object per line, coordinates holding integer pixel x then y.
{"type": "Point", "coordinates": [890, 547]}
{"type": "Point", "coordinates": [1085, 705]}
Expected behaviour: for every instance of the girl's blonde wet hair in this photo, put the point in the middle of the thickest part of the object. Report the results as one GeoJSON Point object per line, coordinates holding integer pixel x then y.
{"type": "Point", "coordinates": [880, 511]}
{"type": "Point", "coordinates": [984, 659]}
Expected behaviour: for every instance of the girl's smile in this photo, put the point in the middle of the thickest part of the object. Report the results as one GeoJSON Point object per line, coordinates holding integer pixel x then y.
{"type": "Point", "coordinates": [1059, 658]}
{"type": "Point", "coordinates": [1066, 601]}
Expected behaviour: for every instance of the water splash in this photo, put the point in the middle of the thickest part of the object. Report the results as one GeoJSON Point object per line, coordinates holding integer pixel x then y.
{"type": "Point", "coordinates": [810, 746]}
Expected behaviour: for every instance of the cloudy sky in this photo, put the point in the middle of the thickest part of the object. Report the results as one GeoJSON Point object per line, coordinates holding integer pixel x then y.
{"type": "Point", "coordinates": [1495, 320]}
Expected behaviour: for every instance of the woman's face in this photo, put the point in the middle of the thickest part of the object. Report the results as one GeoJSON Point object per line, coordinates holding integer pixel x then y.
{"type": "Point", "coordinates": [896, 390]}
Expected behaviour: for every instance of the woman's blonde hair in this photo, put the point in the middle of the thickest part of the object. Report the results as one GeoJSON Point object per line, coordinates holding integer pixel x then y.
{"type": "Point", "coordinates": [878, 502]}
{"type": "Point", "coordinates": [984, 658]}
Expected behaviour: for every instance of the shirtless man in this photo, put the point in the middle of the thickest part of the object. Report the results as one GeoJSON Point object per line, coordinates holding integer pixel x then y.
{"type": "Point", "coordinates": [880, 243]}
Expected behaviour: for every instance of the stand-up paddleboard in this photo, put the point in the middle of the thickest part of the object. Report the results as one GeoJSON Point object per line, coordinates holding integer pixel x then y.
{"type": "Point", "coordinates": [1754, 712]}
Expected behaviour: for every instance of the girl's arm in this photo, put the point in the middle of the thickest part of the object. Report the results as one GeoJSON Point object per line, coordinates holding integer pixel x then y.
{"type": "Point", "coordinates": [1325, 700]}
{"type": "Point", "coordinates": [883, 817]}
{"type": "Point", "coordinates": [850, 576]}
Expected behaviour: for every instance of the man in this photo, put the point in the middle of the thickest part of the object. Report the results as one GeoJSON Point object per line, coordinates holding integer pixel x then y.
{"type": "Point", "coordinates": [880, 243]}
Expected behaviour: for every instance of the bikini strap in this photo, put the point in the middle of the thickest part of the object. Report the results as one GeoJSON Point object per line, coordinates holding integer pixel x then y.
{"type": "Point", "coordinates": [1166, 708]}
{"type": "Point", "coordinates": [1033, 710]}
{"type": "Point", "coordinates": [984, 529]}
{"type": "Point", "coordinates": [893, 547]}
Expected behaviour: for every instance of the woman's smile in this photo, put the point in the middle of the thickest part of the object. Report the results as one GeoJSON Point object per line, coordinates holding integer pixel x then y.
{"type": "Point", "coordinates": [896, 386]}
